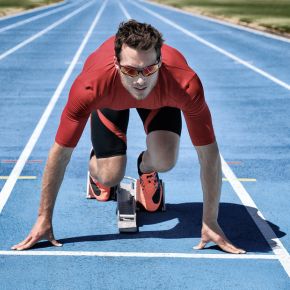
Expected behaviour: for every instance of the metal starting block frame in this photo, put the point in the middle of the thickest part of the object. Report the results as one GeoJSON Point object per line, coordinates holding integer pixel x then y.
{"type": "Point", "coordinates": [127, 205]}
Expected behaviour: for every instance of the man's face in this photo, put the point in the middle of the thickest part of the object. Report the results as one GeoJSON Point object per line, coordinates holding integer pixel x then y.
{"type": "Point", "coordinates": [139, 86]}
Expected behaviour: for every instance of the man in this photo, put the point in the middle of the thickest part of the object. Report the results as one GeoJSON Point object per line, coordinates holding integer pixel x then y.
{"type": "Point", "coordinates": [134, 69]}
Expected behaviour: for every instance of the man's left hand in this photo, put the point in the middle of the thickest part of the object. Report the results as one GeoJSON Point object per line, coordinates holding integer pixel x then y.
{"type": "Point", "coordinates": [211, 232]}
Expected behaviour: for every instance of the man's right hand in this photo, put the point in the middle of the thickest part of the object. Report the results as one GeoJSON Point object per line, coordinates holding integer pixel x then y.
{"type": "Point", "coordinates": [57, 161]}
{"type": "Point", "coordinates": [42, 230]}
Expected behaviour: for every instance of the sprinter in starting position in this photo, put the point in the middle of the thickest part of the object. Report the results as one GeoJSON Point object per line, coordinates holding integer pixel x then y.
{"type": "Point", "coordinates": [134, 69]}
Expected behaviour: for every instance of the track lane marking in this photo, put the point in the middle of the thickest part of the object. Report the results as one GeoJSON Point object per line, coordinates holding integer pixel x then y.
{"type": "Point", "coordinates": [138, 254]}
{"type": "Point", "coordinates": [15, 160]}
{"type": "Point", "coordinates": [235, 162]}
{"type": "Point", "coordinates": [17, 169]}
{"type": "Point", "coordinates": [47, 29]}
{"type": "Point", "coordinates": [19, 177]}
{"type": "Point", "coordinates": [215, 47]}
{"type": "Point", "coordinates": [127, 15]}
{"type": "Point", "coordinates": [243, 179]}
{"type": "Point", "coordinates": [270, 236]}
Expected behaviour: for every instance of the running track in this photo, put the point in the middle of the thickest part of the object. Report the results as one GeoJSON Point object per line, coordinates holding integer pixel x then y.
{"type": "Point", "coordinates": [246, 77]}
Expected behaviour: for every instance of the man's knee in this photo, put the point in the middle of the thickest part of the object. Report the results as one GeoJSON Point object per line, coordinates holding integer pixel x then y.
{"type": "Point", "coordinates": [108, 171]}
{"type": "Point", "coordinates": [164, 162]}
{"type": "Point", "coordinates": [162, 150]}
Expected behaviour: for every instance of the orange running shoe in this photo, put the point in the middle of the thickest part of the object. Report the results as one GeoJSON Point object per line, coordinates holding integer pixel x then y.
{"type": "Point", "coordinates": [100, 192]}
{"type": "Point", "coordinates": [151, 191]}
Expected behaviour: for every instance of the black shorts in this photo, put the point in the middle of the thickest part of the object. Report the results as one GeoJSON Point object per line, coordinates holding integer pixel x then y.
{"type": "Point", "coordinates": [109, 128]}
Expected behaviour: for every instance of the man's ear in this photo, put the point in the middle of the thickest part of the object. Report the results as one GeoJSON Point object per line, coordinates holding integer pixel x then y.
{"type": "Point", "coordinates": [116, 63]}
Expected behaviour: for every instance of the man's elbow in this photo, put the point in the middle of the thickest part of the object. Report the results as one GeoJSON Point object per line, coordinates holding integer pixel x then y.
{"type": "Point", "coordinates": [60, 153]}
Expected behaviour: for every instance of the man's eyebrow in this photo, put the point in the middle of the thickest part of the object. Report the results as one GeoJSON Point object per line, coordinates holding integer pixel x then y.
{"type": "Point", "coordinates": [137, 66]}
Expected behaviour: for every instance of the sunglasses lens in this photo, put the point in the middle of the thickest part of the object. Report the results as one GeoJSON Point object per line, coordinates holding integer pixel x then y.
{"type": "Point", "coordinates": [149, 70]}
{"type": "Point", "coordinates": [129, 71]}
{"type": "Point", "coordinates": [132, 72]}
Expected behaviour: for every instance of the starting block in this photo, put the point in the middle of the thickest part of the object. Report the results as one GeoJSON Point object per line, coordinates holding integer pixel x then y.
{"type": "Point", "coordinates": [127, 197]}
{"type": "Point", "coordinates": [128, 205]}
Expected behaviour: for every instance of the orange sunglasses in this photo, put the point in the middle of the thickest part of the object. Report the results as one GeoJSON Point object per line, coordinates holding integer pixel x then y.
{"type": "Point", "coordinates": [146, 71]}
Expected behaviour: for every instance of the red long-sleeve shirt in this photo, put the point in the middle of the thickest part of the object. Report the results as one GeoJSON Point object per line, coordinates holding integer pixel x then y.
{"type": "Point", "coordinates": [99, 86]}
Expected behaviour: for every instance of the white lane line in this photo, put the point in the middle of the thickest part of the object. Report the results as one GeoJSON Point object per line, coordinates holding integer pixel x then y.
{"type": "Point", "coordinates": [40, 33]}
{"type": "Point", "coordinates": [243, 179]}
{"type": "Point", "coordinates": [9, 184]}
{"type": "Point", "coordinates": [272, 239]}
{"type": "Point", "coordinates": [215, 47]}
{"type": "Point", "coordinates": [33, 10]}
{"type": "Point", "coordinates": [127, 15]}
{"type": "Point", "coordinates": [138, 254]}
{"type": "Point", "coordinates": [31, 19]}
{"type": "Point", "coordinates": [19, 177]}
{"type": "Point", "coordinates": [222, 22]}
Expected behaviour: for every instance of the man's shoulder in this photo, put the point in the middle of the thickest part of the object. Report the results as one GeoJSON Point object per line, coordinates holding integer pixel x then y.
{"type": "Point", "coordinates": [168, 50]}
{"type": "Point", "coordinates": [102, 57]}
{"type": "Point", "coordinates": [171, 55]}
{"type": "Point", "coordinates": [175, 62]}
{"type": "Point", "coordinates": [99, 67]}
{"type": "Point", "coordinates": [176, 66]}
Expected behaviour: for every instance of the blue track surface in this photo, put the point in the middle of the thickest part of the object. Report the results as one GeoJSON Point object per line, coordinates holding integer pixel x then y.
{"type": "Point", "coordinates": [250, 110]}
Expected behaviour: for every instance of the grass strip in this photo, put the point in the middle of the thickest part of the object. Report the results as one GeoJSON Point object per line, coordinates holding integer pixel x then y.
{"type": "Point", "coordinates": [8, 7]}
{"type": "Point", "coordinates": [268, 15]}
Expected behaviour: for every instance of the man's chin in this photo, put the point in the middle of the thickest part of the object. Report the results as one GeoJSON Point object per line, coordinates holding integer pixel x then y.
{"type": "Point", "coordinates": [140, 97]}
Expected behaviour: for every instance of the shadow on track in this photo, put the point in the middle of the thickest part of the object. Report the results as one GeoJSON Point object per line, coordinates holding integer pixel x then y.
{"type": "Point", "coordinates": [233, 218]}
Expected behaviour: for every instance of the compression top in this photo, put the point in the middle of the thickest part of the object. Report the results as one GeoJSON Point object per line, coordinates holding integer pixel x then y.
{"type": "Point", "coordinates": [99, 86]}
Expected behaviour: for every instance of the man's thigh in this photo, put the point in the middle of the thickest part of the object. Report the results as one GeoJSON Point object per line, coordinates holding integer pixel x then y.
{"type": "Point", "coordinates": [108, 132]}
{"type": "Point", "coordinates": [108, 136]}
{"type": "Point", "coordinates": [163, 128]}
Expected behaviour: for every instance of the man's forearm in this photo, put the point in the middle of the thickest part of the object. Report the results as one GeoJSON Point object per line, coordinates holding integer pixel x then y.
{"type": "Point", "coordinates": [211, 180]}
{"type": "Point", "coordinates": [211, 177]}
{"type": "Point", "coordinates": [52, 178]}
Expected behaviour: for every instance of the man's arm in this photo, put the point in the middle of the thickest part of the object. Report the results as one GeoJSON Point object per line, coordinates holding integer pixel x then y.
{"type": "Point", "coordinates": [58, 159]}
{"type": "Point", "coordinates": [211, 180]}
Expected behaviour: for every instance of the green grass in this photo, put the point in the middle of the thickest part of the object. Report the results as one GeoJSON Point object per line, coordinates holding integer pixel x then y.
{"type": "Point", "coordinates": [25, 4]}
{"type": "Point", "coordinates": [270, 14]}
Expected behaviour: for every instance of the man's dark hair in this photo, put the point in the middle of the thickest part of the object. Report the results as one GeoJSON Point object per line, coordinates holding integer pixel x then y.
{"type": "Point", "coordinates": [137, 35]}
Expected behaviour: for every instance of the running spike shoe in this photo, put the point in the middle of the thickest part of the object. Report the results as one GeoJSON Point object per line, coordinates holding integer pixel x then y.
{"type": "Point", "coordinates": [101, 192]}
{"type": "Point", "coordinates": [151, 191]}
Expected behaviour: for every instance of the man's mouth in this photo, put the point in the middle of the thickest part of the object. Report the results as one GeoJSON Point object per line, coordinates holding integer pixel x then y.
{"type": "Point", "coordinates": [140, 89]}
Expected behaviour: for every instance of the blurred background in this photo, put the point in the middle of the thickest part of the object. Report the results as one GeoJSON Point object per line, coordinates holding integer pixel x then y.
{"type": "Point", "coordinates": [267, 15]}
{"type": "Point", "coordinates": [9, 7]}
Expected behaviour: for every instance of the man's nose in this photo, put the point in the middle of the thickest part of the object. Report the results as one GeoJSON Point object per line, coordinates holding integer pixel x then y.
{"type": "Point", "coordinates": [140, 80]}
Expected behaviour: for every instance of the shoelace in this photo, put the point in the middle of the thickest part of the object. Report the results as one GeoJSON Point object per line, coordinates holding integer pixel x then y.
{"type": "Point", "coordinates": [155, 181]}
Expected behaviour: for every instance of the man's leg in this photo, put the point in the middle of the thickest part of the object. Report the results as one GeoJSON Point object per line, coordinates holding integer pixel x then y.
{"type": "Point", "coordinates": [162, 151]}
{"type": "Point", "coordinates": [108, 159]}
{"type": "Point", "coordinates": [108, 171]}
{"type": "Point", "coordinates": [163, 128]}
